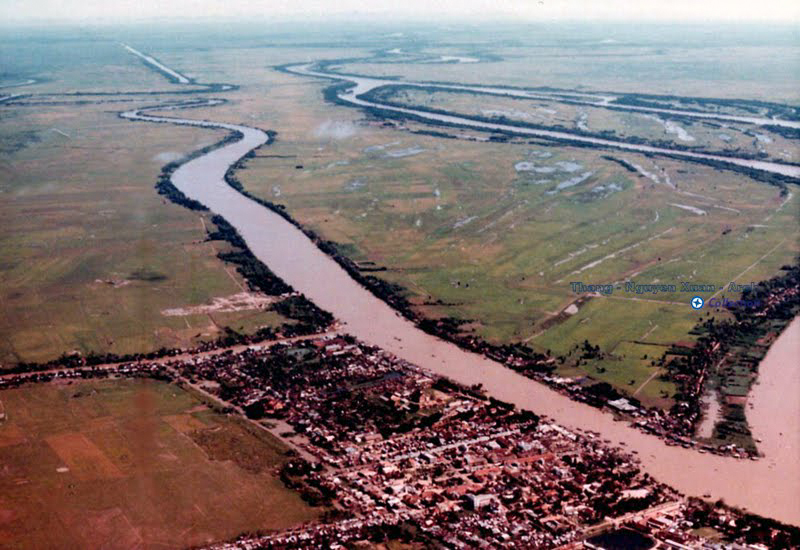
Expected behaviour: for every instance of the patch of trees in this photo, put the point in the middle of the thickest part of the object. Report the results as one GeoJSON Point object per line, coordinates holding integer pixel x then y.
{"type": "Point", "coordinates": [788, 133]}
{"type": "Point", "coordinates": [733, 425]}
{"type": "Point", "coordinates": [257, 275]}
{"type": "Point", "coordinates": [753, 106]}
{"type": "Point", "coordinates": [446, 385]}
{"type": "Point", "coordinates": [624, 163]}
{"type": "Point", "coordinates": [68, 361]}
{"type": "Point", "coordinates": [303, 310]}
{"type": "Point", "coordinates": [300, 475]}
{"type": "Point", "coordinates": [225, 232]}
{"type": "Point", "coordinates": [165, 187]}
{"type": "Point", "coordinates": [434, 133]}
{"type": "Point", "coordinates": [778, 180]}
{"type": "Point", "coordinates": [331, 93]}
{"type": "Point", "coordinates": [229, 337]}
{"type": "Point", "coordinates": [164, 184]}
{"type": "Point", "coordinates": [147, 275]}
{"type": "Point", "coordinates": [748, 528]}
{"type": "Point", "coordinates": [588, 351]}
{"type": "Point", "coordinates": [213, 87]}
{"type": "Point", "coordinates": [443, 325]}
{"type": "Point", "coordinates": [601, 393]}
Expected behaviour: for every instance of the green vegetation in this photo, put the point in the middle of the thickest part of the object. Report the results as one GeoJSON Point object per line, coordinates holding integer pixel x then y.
{"type": "Point", "coordinates": [504, 274]}
{"type": "Point", "coordinates": [452, 230]}
{"type": "Point", "coordinates": [91, 256]}
{"type": "Point", "coordinates": [745, 107]}
{"type": "Point", "coordinates": [729, 351]}
{"type": "Point", "coordinates": [309, 318]}
{"type": "Point", "coordinates": [615, 123]}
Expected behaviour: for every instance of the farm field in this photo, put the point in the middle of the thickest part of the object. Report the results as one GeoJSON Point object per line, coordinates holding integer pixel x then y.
{"type": "Point", "coordinates": [135, 156]}
{"type": "Point", "coordinates": [499, 252]}
{"type": "Point", "coordinates": [481, 231]}
{"type": "Point", "coordinates": [139, 459]}
{"type": "Point", "coordinates": [491, 234]}
{"type": "Point", "coordinates": [92, 256]}
{"type": "Point", "coordinates": [708, 135]}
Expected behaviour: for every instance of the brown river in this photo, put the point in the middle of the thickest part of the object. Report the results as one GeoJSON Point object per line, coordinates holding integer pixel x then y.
{"type": "Point", "coordinates": [769, 487]}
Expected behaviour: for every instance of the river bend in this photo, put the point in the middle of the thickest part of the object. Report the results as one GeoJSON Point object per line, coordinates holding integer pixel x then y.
{"type": "Point", "coordinates": [354, 96]}
{"type": "Point", "coordinates": [766, 487]}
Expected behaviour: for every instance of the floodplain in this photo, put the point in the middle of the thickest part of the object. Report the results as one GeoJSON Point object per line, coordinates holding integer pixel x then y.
{"type": "Point", "coordinates": [482, 231]}
{"type": "Point", "coordinates": [491, 244]}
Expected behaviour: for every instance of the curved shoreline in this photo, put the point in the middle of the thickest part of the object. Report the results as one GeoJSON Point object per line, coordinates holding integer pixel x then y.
{"type": "Point", "coordinates": [603, 99]}
{"type": "Point", "coordinates": [363, 85]}
{"type": "Point", "coordinates": [776, 395]}
{"type": "Point", "coordinates": [762, 487]}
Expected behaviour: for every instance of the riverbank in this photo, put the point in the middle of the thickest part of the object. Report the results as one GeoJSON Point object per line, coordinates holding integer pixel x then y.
{"type": "Point", "coordinates": [675, 426]}
{"type": "Point", "coordinates": [775, 403]}
{"type": "Point", "coordinates": [356, 95]}
{"type": "Point", "coordinates": [298, 261]}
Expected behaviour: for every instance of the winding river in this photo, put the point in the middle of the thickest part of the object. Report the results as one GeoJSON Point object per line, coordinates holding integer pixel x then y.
{"type": "Point", "coordinates": [767, 487]}
{"type": "Point", "coordinates": [366, 84]}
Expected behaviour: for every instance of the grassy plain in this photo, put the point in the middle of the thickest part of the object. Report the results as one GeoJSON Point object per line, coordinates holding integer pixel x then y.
{"type": "Point", "coordinates": [469, 231]}
{"type": "Point", "coordinates": [756, 62]}
{"type": "Point", "coordinates": [90, 255]}
{"type": "Point", "coordinates": [709, 135]}
{"type": "Point", "coordinates": [133, 464]}
{"type": "Point", "coordinates": [455, 221]}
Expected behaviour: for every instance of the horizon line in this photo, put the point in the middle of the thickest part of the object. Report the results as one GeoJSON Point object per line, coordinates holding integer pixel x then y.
{"type": "Point", "coordinates": [356, 18]}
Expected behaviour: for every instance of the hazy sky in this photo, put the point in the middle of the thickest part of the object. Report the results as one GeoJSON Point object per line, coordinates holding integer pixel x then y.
{"type": "Point", "coordinates": [692, 10]}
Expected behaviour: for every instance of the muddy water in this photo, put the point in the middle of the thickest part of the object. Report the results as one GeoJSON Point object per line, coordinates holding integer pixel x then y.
{"type": "Point", "coordinates": [774, 410]}
{"type": "Point", "coordinates": [765, 487]}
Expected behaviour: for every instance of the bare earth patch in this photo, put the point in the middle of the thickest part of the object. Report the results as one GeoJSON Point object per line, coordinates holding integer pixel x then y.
{"type": "Point", "coordinates": [83, 457]}
{"type": "Point", "coordinates": [224, 304]}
